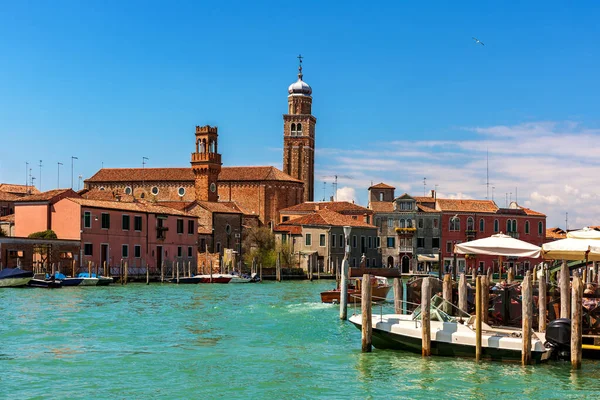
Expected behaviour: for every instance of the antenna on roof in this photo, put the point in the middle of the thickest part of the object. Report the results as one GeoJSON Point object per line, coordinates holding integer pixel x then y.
{"type": "Point", "coordinates": [424, 187]}
{"type": "Point", "coordinates": [516, 192]}
{"type": "Point", "coordinates": [487, 173]}
{"type": "Point", "coordinates": [566, 222]}
{"type": "Point", "coordinates": [324, 190]}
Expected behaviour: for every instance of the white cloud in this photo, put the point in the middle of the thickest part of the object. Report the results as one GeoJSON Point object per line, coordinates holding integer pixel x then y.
{"type": "Point", "coordinates": [550, 199]}
{"type": "Point", "coordinates": [346, 193]}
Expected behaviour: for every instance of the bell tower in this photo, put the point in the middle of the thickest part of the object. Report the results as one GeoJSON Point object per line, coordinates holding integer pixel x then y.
{"type": "Point", "coordinates": [299, 135]}
{"type": "Point", "coordinates": [206, 164]}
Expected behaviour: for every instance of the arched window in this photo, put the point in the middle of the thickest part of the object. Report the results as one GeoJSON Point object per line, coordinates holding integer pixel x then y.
{"type": "Point", "coordinates": [496, 226]}
{"type": "Point", "coordinates": [293, 129]}
{"type": "Point", "coordinates": [299, 129]}
{"type": "Point", "coordinates": [481, 225]}
{"type": "Point", "coordinates": [540, 228]}
{"type": "Point", "coordinates": [409, 223]}
{"type": "Point", "coordinates": [454, 224]}
{"type": "Point", "coordinates": [402, 223]}
{"type": "Point", "coordinates": [508, 226]}
{"type": "Point", "coordinates": [527, 227]}
{"type": "Point", "coordinates": [380, 196]}
{"type": "Point", "coordinates": [514, 225]}
{"type": "Point", "coordinates": [470, 224]}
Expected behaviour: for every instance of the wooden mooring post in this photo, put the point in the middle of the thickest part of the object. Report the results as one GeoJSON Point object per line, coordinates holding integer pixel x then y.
{"type": "Point", "coordinates": [447, 293]}
{"type": "Point", "coordinates": [260, 272]}
{"type": "Point", "coordinates": [366, 314]}
{"type": "Point", "coordinates": [162, 271]}
{"type": "Point", "coordinates": [510, 276]}
{"type": "Point", "coordinates": [121, 272]}
{"type": "Point", "coordinates": [344, 291]}
{"type": "Point", "coordinates": [542, 303]}
{"type": "Point", "coordinates": [89, 269]}
{"type": "Point", "coordinates": [398, 295]}
{"type": "Point", "coordinates": [564, 290]}
{"type": "Point", "coordinates": [104, 270]}
{"type": "Point", "coordinates": [177, 273]}
{"type": "Point", "coordinates": [485, 298]}
{"type": "Point", "coordinates": [527, 317]}
{"type": "Point", "coordinates": [126, 271]}
{"type": "Point", "coordinates": [462, 293]}
{"type": "Point", "coordinates": [576, 314]}
{"type": "Point", "coordinates": [426, 317]}
{"type": "Point", "coordinates": [278, 268]}
{"type": "Point", "coordinates": [478, 309]}
{"type": "Point", "coordinates": [147, 274]}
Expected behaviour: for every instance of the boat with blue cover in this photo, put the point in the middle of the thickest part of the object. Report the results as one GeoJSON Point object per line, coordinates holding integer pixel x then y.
{"type": "Point", "coordinates": [15, 277]}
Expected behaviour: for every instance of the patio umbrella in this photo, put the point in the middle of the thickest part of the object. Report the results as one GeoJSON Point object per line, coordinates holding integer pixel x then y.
{"type": "Point", "coordinates": [499, 245]}
{"type": "Point", "coordinates": [578, 245]}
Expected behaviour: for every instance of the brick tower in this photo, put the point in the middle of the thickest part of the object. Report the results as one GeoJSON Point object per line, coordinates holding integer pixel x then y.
{"type": "Point", "coordinates": [299, 135]}
{"type": "Point", "coordinates": [206, 163]}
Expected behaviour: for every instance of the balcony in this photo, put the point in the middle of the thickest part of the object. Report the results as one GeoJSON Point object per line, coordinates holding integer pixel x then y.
{"type": "Point", "coordinates": [471, 233]}
{"type": "Point", "coordinates": [161, 232]}
{"type": "Point", "coordinates": [513, 234]}
{"type": "Point", "coordinates": [206, 157]}
{"type": "Point", "coordinates": [402, 249]}
{"type": "Point", "coordinates": [406, 231]}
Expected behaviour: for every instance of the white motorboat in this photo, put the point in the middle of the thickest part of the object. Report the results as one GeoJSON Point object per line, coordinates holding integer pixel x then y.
{"type": "Point", "coordinates": [243, 278]}
{"type": "Point", "coordinates": [451, 335]}
{"type": "Point", "coordinates": [14, 277]}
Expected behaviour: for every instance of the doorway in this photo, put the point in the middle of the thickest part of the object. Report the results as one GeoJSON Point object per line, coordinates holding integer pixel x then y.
{"type": "Point", "coordinates": [405, 265]}
{"type": "Point", "coordinates": [104, 257]}
{"type": "Point", "coordinates": [159, 258]}
{"type": "Point", "coordinates": [390, 262]}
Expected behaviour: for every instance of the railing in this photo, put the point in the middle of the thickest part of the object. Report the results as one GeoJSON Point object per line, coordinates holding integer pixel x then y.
{"type": "Point", "coordinates": [211, 157]}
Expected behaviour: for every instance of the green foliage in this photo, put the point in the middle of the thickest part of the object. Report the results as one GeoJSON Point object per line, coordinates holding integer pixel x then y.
{"type": "Point", "coordinates": [48, 234]}
{"type": "Point", "coordinates": [259, 245]}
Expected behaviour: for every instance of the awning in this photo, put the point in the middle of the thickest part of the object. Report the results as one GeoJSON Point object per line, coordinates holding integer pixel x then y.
{"type": "Point", "coordinates": [428, 257]}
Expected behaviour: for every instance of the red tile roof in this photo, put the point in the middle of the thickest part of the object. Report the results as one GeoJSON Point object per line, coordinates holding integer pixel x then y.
{"type": "Point", "coordinates": [382, 206]}
{"type": "Point", "coordinates": [555, 233]}
{"type": "Point", "coordinates": [424, 208]}
{"type": "Point", "coordinates": [225, 207]}
{"type": "Point", "coordinates": [186, 174]}
{"type": "Point", "coordinates": [328, 218]}
{"type": "Point", "coordinates": [177, 205]}
{"type": "Point", "coordinates": [289, 229]}
{"type": "Point", "coordinates": [18, 189]}
{"type": "Point", "coordinates": [7, 196]}
{"type": "Point", "coordinates": [125, 206]}
{"type": "Point", "coordinates": [461, 205]}
{"type": "Point", "coordinates": [49, 196]}
{"type": "Point", "coordinates": [381, 185]}
{"type": "Point", "coordinates": [108, 195]}
{"type": "Point", "coordinates": [529, 211]}
{"type": "Point", "coordinates": [337, 206]}
{"type": "Point", "coordinates": [8, 218]}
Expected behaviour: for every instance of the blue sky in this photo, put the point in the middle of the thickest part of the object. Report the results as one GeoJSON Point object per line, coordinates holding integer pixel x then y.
{"type": "Point", "coordinates": [401, 92]}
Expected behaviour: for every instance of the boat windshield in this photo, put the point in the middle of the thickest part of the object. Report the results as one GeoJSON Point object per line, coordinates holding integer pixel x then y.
{"type": "Point", "coordinates": [442, 310]}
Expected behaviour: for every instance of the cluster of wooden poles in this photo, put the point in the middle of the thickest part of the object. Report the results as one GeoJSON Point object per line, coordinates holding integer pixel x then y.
{"type": "Point", "coordinates": [481, 307]}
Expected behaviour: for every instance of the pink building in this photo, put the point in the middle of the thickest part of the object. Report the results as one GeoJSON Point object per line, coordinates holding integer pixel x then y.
{"type": "Point", "coordinates": [112, 231]}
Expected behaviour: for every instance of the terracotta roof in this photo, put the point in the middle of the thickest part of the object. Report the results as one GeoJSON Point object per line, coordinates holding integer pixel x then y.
{"type": "Point", "coordinates": [254, 174]}
{"type": "Point", "coordinates": [48, 196]}
{"type": "Point", "coordinates": [18, 189]}
{"type": "Point", "coordinates": [125, 206]}
{"type": "Point", "coordinates": [529, 211]}
{"type": "Point", "coordinates": [424, 208]}
{"type": "Point", "coordinates": [424, 199]}
{"type": "Point", "coordinates": [461, 205]}
{"type": "Point", "coordinates": [290, 229]}
{"type": "Point", "coordinates": [186, 174]}
{"type": "Point", "coordinates": [204, 230]}
{"type": "Point", "coordinates": [338, 206]}
{"type": "Point", "coordinates": [328, 218]}
{"type": "Point", "coordinates": [228, 207]}
{"type": "Point", "coordinates": [381, 185]}
{"type": "Point", "coordinates": [107, 195]}
{"type": "Point", "coordinates": [7, 196]}
{"type": "Point", "coordinates": [382, 206]}
{"type": "Point", "coordinates": [555, 233]}
{"type": "Point", "coordinates": [8, 218]}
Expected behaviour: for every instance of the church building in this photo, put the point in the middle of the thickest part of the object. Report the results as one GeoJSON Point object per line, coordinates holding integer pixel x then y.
{"type": "Point", "coordinates": [258, 192]}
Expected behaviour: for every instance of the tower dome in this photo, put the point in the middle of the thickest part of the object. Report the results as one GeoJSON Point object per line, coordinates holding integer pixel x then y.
{"type": "Point", "coordinates": [300, 88]}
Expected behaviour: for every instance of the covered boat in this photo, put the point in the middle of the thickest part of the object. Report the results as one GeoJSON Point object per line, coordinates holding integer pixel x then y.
{"type": "Point", "coordinates": [451, 335]}
{"type": "Point", "coordinates": [15, 277]}
{"type": "Point", "coordinates": [379, 284]}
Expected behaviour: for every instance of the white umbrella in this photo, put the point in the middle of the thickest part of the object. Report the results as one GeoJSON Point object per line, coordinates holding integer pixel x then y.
{"type": "Point", "coordinates": [579, 245]}
{"type": "Point", "coordinates": [499, 245]}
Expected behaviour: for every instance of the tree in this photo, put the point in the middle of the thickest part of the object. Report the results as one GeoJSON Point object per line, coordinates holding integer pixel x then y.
{"type": "Point", "coordinates": [47, 234]}
{"type": "Point", "coordinates": [2, 233]}
{"type": "Point", "coordinates": [287, 255]}
{"type": "Point", "coordinates": [259, 244]}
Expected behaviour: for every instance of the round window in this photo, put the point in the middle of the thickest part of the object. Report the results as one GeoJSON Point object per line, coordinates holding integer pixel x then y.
{"type": "Point", "coordinates": [213, 187]}
{"type": "Point", "coordinates": [154, 190]}
{"type": "Point", "coordinates": [228, 229]}
{"type": "Point", "coordinates": [101, 187]}
{"type": "Point", "coordinates": [181, 191]}
{"type": "Point", "coordinates": [143, 195]}
{"type": "Point", "coordinates": [128, 190]}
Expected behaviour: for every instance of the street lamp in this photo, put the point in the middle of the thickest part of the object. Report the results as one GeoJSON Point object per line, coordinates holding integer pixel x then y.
{"type": "Point", "coordinates": [72, 158]}
{"type": "Point", "coordinates": [344, 280]}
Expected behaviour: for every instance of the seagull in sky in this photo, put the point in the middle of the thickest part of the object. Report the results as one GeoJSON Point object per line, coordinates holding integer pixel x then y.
{"type": "Point", "coordinates": [477, 41]}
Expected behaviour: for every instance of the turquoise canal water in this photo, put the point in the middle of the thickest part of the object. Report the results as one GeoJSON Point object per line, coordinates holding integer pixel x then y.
{"type": "Point", "coordinates": [267, 341]}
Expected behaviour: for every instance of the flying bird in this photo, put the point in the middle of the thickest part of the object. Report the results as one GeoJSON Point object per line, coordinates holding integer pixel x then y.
{"type": "Point", "coordinates": [477, 41]}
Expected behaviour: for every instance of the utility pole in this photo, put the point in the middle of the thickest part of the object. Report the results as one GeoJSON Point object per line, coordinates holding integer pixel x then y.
{"type": "Point", "coordinates": [424, 187]}
{"type": "Point", "coordinates": [26, 177]}
{"type": "Point", "coordinates": [566, 222]}
{"type": "Point", "coordinates": [58, 176]}
{"type": "Point", "coordinates": [40, 177]}
{"type": "Point", "coordinates": [144, 159]}
{"type": "Point", "coordinates": [72, 158]}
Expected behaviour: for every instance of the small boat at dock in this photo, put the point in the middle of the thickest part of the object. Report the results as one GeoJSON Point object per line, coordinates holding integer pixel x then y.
{"type": "Point", "coordinates": [44, 281]}
{"type": "Point", "coordinates": [15, 277]}
{"type": "Point", "coordinates": [102, 280]}
{"type": "Point", "coordinates": [379, 284]}
{"type": "Point", "coordinates": [451, 335]}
